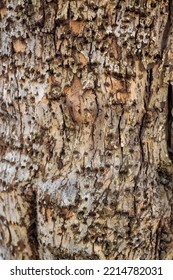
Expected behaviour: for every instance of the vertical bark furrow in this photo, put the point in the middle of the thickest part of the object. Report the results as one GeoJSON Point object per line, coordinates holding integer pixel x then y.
{"type": "Point", "coordinates": [33, 225]}
{"type": "Point", "coordinates": [170, 122]}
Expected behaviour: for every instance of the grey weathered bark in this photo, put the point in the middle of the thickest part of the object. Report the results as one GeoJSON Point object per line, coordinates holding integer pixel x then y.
{"type": "Point", "coordinates": [86, 129]}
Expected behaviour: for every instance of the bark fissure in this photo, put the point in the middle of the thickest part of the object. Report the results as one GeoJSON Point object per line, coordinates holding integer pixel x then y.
{"type": "Point", "coordinates": [62, 152]}
{"type": "Point", "coordinates": [32, 229]}
{"type": "Point", "coordinates": [167, 29]}
{"type": "Point", "coordinates": [170, 122]}
{"type": "Point", "coordinates": [119, 135]}
{"type": "Point", "coordinates": [157, 243]}
{"type": "Point", "coordinates": [18, 105]}
{"type": "Point", "coordinates": [142, 127]}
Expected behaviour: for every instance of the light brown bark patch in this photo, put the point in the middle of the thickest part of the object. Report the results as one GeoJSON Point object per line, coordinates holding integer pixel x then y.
{"type": "Point", "coordinates": [122, 96]}
{"type": "Point", "coordinates": [117, 90]}
{"type": "Point", "coordinates": [77, 26]}
{"type": "Point", "coordinates": [170, 55]}
{"type": "Point", "coordinates": [67, 213]}
{"type": "Point", "coordinates": [113, 47]}
{"type": "Point", "coordinates": [116, 85]}
{"type": "Point", "coordinates": [44, 100]}
{"type": "Point", "coordinates": [51, 82]}
{"type": "Point", "coordinates": [74, 100]}
{"type": "Point", "coordinates": [76, 86]}
{"type": "Point", "coordinates": [83, 59]}
{"type": "Point", "coordinates": [3, 12]}
{"type": "Point", "coordinates": [19, 45]}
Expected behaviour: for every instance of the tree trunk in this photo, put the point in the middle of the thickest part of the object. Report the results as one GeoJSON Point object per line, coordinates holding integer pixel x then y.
{"type": "Point", "coordinates": [86, 101]}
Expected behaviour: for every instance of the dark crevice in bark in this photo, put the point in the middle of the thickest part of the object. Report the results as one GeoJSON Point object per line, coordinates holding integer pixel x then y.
{"type": "Point", "coordinates": [146, 106]}
{"type": "Point", "coordinates": [18, 97]}
{"type": "Point", "coordinates": [157, 242]}
{"type": "Point", "coordinates": [62, 152]}
{"type": "Point", "coordinates": [148, 89]}
{"type": "Point", "coordinates": [32, 229]}
{"type": "Point", "coordinates": [119, 134]}
{"type": "Point", "coordinates": [54, 28]}
{"type": "Point", "coordinates": [166, 32]}
{"type": "Point", "coordinates": [140, 136]}
{"type": "Point", "coordinates": [147, 99]}
{"type": "Point", "coordinates": [169, 122]}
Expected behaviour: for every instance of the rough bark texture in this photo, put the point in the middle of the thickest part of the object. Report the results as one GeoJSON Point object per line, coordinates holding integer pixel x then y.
{"type": "Point", "coordinates": [86, 132]}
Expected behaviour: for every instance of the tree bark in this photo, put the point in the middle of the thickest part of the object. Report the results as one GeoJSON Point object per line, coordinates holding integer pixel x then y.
{"type": "Point", "coordinates": [86, 168]}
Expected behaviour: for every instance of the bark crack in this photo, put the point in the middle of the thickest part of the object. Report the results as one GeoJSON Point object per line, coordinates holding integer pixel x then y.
{"type": "Point", "coordinates": [169, 122]}
{"type": "Point", "coordinates": [62, 152]}
{"type": "Point", "coordinates": [119, 135]}
{"type": "Point", "coordinates": [18, 105]}
{"type": "Point", "coordinates": [166, 32]}
{"type": "Point", "coordinates": [32, 229]}
{"type": "Point", "coordinates": [147, 99]}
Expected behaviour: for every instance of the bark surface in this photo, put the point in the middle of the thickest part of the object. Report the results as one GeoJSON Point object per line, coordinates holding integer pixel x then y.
{"type": "Point", "coordinates": [86, 135]}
